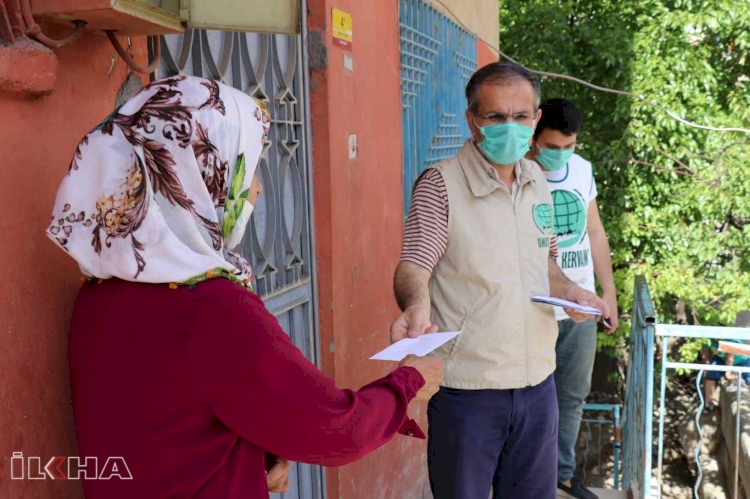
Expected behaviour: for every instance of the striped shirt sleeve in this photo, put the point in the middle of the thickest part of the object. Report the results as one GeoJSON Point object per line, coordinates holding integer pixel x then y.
{"type": "Point", "coordinates": [554, 251]}
{"type": "Point", "coordinates": [426, 232]}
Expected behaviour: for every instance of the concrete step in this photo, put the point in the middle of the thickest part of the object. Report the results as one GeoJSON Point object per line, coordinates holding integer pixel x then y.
{"type": "Point", "coordinates": [602, 493]}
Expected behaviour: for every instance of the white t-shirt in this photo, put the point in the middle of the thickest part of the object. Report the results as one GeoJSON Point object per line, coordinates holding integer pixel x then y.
{"type": "Point", "coordinates": [573, 188]}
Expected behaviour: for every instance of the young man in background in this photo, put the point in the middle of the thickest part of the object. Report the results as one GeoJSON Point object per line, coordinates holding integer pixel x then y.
{"type": "Point", "coordinates": [583, 253]}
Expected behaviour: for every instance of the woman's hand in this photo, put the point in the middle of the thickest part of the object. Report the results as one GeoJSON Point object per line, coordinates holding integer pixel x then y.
{"type": "Point", "coordinates": [277, 477]}
{"type": "Point", "coordinates": [431, 369]}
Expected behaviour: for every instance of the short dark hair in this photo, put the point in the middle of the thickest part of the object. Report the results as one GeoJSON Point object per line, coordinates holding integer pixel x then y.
{"type": "Point", "coordinates": [498, 73]}
{"type": "Point", "coordinates": [558, 114]}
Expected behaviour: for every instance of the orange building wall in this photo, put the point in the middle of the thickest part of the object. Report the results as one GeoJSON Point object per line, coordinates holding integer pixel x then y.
{"type": "Point", "coordinates": [485, 54]}
{"type": "Point", "coordinates": [358, 222]}
{"type": "Point", "coordinates": [37, 141]}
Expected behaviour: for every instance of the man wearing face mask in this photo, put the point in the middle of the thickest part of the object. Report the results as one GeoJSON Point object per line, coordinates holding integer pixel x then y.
{"type": "Point", "coordinates": [478, 243]}
{"type": "Point", "coordinates": [583, 252]}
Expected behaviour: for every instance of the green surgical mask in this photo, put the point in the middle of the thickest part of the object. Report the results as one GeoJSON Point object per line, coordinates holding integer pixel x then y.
{"type": "Point", "coordinates": [505, 143]}
{"type": "Point", "coordinates": [554, 159]}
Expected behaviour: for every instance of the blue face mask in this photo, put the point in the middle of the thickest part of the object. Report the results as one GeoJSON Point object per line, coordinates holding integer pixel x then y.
{"type": "Point", "coordinates": [505, 143]}
{"type": "Point", "coordinates": [554, 159]}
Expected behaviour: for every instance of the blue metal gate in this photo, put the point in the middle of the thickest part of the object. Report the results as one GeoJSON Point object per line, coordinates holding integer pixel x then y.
{"type": "Point", "coordinates": [437, 59]}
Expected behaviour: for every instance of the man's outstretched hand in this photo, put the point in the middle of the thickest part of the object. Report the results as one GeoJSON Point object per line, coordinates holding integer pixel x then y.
{"type": "Point", "coordinates": [412, 322]}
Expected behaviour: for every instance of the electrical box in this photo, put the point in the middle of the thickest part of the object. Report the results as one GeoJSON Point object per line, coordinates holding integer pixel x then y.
{"type": "Point", "coordinates": [262, 16]}
{"type": "Point", "coordinates": [159, 17]}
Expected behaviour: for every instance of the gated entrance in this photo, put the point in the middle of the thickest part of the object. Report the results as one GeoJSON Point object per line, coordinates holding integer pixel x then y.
{"type": "Point", "coordinates": [278, 243]}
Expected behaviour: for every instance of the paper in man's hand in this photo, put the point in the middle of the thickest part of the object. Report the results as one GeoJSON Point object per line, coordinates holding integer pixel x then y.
{"type": "Point", "coordinates": [557, 302]}
{"type": "Point", "coordinates": [420, 346]}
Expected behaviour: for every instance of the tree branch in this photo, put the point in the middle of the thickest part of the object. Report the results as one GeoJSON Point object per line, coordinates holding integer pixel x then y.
{"type": "Point", "coordinates": [666, 111]}
{"type": "Point", "coordinates": [660, 167]}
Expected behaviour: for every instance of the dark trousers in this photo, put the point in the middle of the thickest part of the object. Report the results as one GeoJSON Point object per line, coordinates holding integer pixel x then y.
{"type": "Point", "coordinates": [499, 440]}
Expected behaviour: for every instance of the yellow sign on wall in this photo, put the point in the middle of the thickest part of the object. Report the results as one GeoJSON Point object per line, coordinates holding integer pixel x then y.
{"type": "Point", "coordinates": [341, 24]}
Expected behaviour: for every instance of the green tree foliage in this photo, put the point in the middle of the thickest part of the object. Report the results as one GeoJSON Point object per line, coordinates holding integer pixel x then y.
{"type": "Point", "coordinates": [674, 199]}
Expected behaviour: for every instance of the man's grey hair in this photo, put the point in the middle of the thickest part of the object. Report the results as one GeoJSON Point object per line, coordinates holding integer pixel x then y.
{"type": "Point", "coordinates": [498, 73]}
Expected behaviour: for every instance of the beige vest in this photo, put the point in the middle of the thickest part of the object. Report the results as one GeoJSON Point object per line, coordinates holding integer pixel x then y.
{"type": "Point", "coordinates": [496, 259]}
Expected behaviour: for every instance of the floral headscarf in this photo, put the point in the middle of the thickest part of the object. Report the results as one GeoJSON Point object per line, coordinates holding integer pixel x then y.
{"type": "Point", "coordinates": [157, 193]}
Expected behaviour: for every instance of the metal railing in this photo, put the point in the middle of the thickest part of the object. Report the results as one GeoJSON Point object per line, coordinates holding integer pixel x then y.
{"type": "Point", "coordinates": [638, 410]}
{"type": "Point", "coordinates": [637, 421]}
{"type": "Point", "coordinates": [664, 332]}
{"type": "Point", "coordinates": [600, 423]}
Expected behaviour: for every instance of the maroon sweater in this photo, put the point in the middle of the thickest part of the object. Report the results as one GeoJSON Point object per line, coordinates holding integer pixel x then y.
{"type": "Point", "coordinates": [193, 387]}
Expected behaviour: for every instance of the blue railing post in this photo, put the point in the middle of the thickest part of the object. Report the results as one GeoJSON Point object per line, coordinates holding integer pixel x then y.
{"type": "Point", "coordinates": [648, 409]}
{"type": "Point", "coordinates": [615, 410]}
{"type": "Point", "coordinates": [618, 446]}
{"type": "Point", "coordinates": [637, 424]}
{"type": "Point", "coordinates": [662, 415]}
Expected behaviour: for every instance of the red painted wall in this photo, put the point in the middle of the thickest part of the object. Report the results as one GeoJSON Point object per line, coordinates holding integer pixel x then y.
{"type": "Point", "coordinates": [358, 224]}
{"type": "Point", "coordinates": [485, 54]}
{"type": "Point", "coordinates": [37, 140]}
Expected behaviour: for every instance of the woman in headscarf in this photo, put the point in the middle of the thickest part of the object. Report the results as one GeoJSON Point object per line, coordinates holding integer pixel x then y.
{"type": "Point", "coordinates": [178, 371]}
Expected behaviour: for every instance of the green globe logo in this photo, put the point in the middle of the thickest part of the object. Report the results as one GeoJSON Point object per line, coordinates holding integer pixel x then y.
{"type": "Point", "coordinates": [543, 218]}
{"type": "Point", "coordinates": [570, 218]}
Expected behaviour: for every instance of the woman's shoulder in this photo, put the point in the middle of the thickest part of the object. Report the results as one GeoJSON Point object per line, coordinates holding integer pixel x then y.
{"type": "Point", "coordinates": [217, 297]}
{"type": "Point", "coordinates": [230, 301]}
{"type": "Point", "coordinates": [223, 291]}
{"type": "Point", "coordinates": [226, 312]}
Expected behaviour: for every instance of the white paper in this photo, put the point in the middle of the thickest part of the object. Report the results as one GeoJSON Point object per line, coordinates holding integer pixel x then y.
{"type": "Point", "coordinates": [421, 345]}
{"type": "Point", "coordinates": [548, 300]}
